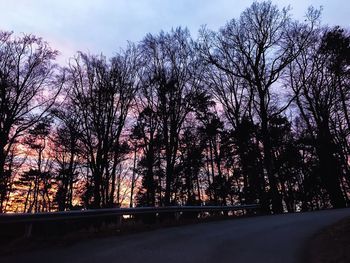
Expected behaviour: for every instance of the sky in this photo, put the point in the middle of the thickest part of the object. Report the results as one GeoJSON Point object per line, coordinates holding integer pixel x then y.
{"type": "Point", "coordinates": [105, 26]}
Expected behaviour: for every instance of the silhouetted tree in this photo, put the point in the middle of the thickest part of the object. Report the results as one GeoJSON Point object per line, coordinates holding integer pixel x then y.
{"type": "Point", "coordinates": [191, 162]}
{"type": "Point", "coordinates": [27, 72]}
{"type": "Point", "coordinates": [256, 50]}
{"type": "Point", "coordinates": [101, 92]}
{"type": "Point", "coordinates": [169, 76]}
{"type": "Point", "coordinates": [316, 85]}
{"type": "Point", "coordinates": [39, 176]}
{"type": "Point", "coordinates": [67, 154]}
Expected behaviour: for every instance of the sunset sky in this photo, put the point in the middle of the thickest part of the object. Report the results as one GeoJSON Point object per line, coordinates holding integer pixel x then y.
{"type": "Point", "coordinates": [106, 25]}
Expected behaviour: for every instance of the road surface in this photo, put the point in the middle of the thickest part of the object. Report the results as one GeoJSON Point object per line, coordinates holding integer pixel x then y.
{"type": "Point", "coordinates": [279, 238]}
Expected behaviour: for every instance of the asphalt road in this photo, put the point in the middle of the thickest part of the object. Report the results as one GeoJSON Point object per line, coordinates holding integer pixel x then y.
{"type": "Point", "coordinates": [279, 238]}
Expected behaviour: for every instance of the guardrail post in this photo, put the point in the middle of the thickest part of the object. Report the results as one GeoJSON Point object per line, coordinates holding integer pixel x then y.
{"type": "Point", "coordinates": [28, 229]}
{"type": "Point", "coordinates": [119, 220]}
{"type": "Point", "coordinates": [177, 216]}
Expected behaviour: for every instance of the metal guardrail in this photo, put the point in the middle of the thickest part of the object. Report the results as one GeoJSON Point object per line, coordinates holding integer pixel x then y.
{"type": "Point", "coordinates": [75, 214]}
{"type": "Point", "coordinates": [30, 218]}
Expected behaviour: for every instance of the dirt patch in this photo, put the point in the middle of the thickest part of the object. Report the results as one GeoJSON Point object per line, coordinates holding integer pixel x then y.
{"type": "Point", "coordinates": [331, 245]}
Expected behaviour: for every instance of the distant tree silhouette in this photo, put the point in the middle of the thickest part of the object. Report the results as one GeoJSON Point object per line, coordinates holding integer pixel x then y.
{"type": "Point", "coordinates": [145, 131]}
{"type": "Point", "coordinates": [188, 169]}
{"type": "Point", "coordinates": [39, 177]}
{"type": "Point", "coordinates": [67, 155]}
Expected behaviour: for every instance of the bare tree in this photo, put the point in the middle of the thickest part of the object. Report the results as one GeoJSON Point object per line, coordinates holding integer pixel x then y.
{"type": "Point", "coordinates": [28, 88]}
{"type": "Point", "coordinates": [101, 92]}
{"type": "Point", "coordinates": [323, 107]}
{"type": "Point", "coordinates": [67, 154]}
{"type": "Point", "coordinates": [170, 83]}
{"type": "Point", "coordinates": [250, 55]}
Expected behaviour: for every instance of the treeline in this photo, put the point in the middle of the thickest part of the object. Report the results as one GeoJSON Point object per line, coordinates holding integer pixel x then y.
{"type": "Point", "coordinates": [257, 112]}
